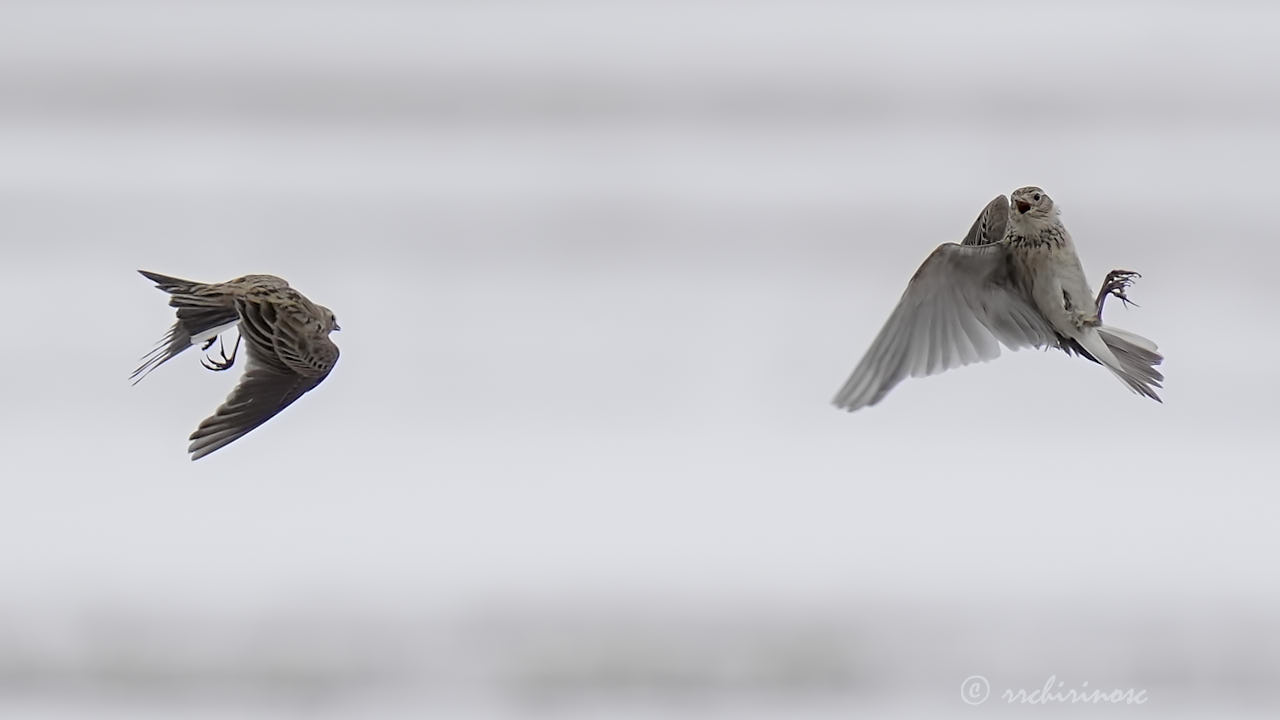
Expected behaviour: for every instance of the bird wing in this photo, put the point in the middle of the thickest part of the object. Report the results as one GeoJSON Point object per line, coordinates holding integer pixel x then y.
{"type": "Point", "coordinates": [288, 354]}
{"type": "Point", "coordinates": [989, 227]}
{"type": "Point", "coordinates": [958, 309]}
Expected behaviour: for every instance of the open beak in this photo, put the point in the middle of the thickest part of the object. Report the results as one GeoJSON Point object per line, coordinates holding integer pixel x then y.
{"type": "Point", "coordinates": [1022, 206]}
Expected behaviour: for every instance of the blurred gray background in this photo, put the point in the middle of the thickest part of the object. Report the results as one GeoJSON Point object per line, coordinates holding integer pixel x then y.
{"type": "Point", "coordinates": [600, 267]}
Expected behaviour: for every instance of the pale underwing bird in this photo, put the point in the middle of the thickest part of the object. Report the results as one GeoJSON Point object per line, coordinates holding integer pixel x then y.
{"type": "Point", "coordinates": [286, 338]}
{"type": "Point", "coordinates": [1014, 280]}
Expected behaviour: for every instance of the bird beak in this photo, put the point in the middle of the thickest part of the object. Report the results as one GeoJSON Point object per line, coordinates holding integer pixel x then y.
{"type": "Point", "coordinates": [1022, 205]}
{"type": "Point", "coordinates": [336, 327]}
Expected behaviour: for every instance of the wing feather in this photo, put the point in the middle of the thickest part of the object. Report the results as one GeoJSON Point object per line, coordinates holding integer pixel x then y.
{"type": "Point", "coordinates": [959, 308]}
{"type": "Point", "coordinates": [991, 222]}
{"type": "Point", "coordinates": [288, 356]}
{"type": "Point", "coordinates": [261, 394]}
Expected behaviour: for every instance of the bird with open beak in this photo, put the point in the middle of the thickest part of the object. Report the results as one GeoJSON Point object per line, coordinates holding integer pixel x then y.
{"type": "Point", "coordinates": [1015, 280]}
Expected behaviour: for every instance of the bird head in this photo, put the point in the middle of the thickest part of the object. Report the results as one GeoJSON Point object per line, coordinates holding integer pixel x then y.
{"type": "Point", "coordinates": [1032, 203]}
{"type": "Point", "coordinates": [331, 321]}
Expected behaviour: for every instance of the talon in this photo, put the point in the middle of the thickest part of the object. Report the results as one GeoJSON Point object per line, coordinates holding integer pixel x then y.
{"type": "Point", "coordinates": [1115, 284]}
{"type": "Point", "coordinates": [225, 362]}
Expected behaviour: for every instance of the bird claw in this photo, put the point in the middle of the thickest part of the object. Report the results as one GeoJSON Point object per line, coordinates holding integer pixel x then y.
{"type": "Point", "coordinates": [1115, 284]}
{"type": "Point", "coordinates": [226, 362]}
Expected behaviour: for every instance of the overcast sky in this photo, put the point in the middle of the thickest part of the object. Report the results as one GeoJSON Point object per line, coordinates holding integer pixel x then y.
{"type": "Point", "coordinates": [600, 268]}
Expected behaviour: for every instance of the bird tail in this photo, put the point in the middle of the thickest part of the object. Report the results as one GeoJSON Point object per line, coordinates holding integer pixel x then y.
{"type": "Point", "coordinates": [203, 312]}
{"type": "Point", "coordinates": [1129, 356]}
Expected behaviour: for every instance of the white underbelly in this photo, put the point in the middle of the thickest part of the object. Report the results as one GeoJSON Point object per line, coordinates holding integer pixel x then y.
{"type": "Point", "coordinates": [1062, 294]}
{"type": "Point", "coordinates": [205, 337]}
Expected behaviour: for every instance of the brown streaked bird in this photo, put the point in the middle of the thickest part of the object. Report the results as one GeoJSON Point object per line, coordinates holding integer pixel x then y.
{"type": "Point", "coordinates": [286, 337]}
{"type": "Point", "coordinates": [1014, 280]}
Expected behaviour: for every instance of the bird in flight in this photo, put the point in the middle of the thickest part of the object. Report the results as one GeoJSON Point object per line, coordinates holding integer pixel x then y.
{"type": "Point", "coordinates": [1014, 280]}
{"type": "Point", "coordinates": [286, 338]}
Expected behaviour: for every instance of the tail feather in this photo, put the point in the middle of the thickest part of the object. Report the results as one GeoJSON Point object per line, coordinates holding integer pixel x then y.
{"type": "Point", "coordinates": [1136, 360]}
{"type": "Point", "coordinates": [203, 311]}
{"type": "Point", "coordinates": [1131, 338]}
{"type": "Point", "coordinates": [168, 283]}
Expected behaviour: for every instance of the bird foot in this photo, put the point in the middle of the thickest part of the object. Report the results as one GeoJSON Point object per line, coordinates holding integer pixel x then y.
{"type": "Point", "coordinates": [1115, 284]}
{"type": "Point", "coordinates": [226, 362]}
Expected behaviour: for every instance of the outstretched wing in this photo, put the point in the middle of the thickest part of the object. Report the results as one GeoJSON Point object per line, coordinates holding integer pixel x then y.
{"type": "Point", "coordinates": [288, 356]}
{"type": "Point", "coordinates": [989, 227]}
{"type": "Point", "coordinates": [958, 309]}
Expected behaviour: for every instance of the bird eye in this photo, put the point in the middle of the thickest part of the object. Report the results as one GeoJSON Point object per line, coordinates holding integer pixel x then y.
{"type": "Point", "coordinates": [1036, 197]}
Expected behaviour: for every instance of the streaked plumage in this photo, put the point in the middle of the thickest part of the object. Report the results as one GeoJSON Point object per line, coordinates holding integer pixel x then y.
{"type": "Point", "coordinates": [1014, 280]}
{"type": "Point", "coordinates": [286, 338]}
{"type": "Point", "coordinates": [991, 223]}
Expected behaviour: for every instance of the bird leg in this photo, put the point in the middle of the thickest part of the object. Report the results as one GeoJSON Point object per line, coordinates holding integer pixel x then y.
{"type": "Point", "coordinates": [225, 362]}
{"type": "Point", "coordinates": [1115, 284]}
{"type": "Point", "coordinates": [208, 343]}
